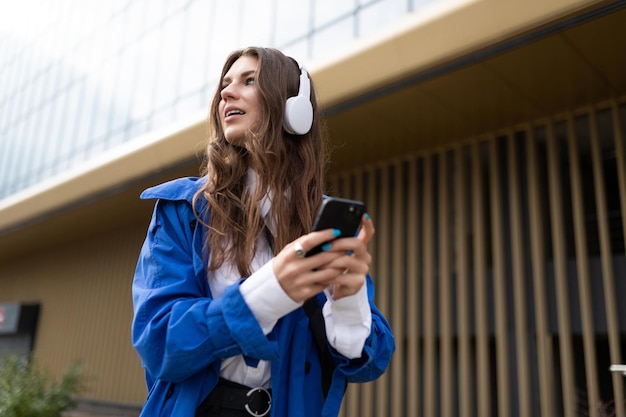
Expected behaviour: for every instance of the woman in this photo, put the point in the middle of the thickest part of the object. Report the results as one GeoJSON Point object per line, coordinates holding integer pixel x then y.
{"type": "Point", "coordinates": [221, 317]}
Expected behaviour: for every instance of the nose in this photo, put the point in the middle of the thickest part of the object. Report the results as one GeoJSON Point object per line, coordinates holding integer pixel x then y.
{"type": "Point", "coordinates": [229, 92]}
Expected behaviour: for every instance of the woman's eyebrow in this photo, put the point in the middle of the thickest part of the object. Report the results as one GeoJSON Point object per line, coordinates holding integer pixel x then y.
{"type": "Point", "coordinates": [228, 79]}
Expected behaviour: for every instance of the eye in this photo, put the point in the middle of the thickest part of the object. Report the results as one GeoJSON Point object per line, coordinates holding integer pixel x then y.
{"type": "Point", "coordinates": [250, 81]}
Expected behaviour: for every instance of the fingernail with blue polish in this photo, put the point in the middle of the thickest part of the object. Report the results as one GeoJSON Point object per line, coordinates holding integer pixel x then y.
{"type": "Point", "coordinates": [336, 232]}
{"type": "Point", "coordinates": [326, 246]}
{"type": "Point", "coordinates": [367, 216]}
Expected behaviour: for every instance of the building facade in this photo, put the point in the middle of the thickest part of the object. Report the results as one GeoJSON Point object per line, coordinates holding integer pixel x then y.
{"type": "Point", "coordinates": [487, 139]}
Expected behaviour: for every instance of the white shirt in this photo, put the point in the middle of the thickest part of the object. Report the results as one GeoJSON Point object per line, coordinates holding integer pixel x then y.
{"type": "Point", "coordinates": [348, 320]}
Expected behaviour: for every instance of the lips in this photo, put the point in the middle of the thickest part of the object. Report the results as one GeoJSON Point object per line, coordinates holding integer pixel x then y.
{"type": "Point", "coordinates": [232, 111]}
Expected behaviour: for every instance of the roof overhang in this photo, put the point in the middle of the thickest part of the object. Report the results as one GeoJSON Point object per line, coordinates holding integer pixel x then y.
{"type": "Point", "coordinates": [467, 68]}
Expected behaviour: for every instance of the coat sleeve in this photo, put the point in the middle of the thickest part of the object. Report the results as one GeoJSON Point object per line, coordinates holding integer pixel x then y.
{"type": "Point", "coordinates": [177, 328]}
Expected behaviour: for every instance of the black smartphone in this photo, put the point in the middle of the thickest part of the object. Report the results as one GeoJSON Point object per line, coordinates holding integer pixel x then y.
{"type": "Point", "coordinates": [341, 214]}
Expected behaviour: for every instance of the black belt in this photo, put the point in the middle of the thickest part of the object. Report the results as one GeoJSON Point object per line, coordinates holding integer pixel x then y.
{"type": "Point", "coordinates": [227, 394]}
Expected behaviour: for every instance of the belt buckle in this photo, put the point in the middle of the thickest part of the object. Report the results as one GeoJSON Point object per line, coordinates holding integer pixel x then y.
{"type": "Point", "coordinates": [259, 390]}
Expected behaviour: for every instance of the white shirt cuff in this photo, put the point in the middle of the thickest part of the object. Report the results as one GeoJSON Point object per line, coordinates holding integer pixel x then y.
{"type": "Point", "coordinates": [348, 322]}
{"type": "Point", "coordinates": [266, 298]}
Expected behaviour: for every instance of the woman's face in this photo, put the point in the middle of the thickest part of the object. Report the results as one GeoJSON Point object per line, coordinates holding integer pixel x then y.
{"type": "Point", "coordinates": [239, 107]}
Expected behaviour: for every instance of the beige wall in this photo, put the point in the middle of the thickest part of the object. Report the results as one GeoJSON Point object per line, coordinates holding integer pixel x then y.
{"type": "Point", "coordinates": [84, 288]}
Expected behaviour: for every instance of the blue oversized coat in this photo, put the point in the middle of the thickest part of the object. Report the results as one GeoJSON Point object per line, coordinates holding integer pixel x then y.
{"type": "Point", "coordinates": [182, 334]}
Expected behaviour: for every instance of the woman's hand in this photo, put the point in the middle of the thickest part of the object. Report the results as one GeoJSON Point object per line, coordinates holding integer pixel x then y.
{"type": "Point", "coordinates": [355, 262]}
{"type": "Point", "coordinates": [344, 263]}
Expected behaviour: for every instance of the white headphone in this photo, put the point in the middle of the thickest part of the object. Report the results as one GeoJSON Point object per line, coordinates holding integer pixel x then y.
{"type": "Point", "coordinates": [298, 109]}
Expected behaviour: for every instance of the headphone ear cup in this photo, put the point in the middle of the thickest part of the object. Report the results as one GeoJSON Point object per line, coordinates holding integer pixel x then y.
{"type": "Point", "coordinates": [298, 115]}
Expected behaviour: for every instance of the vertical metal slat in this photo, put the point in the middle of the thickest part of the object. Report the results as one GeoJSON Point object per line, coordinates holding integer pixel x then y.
{"type": "Point", "coordinates": [582, 266]}
{"type": "Point", "coordinates": [519, 280]}
{"type": "Point", "coordinates": [560, 273]}
{"type": "Point", "coordinates": [537, 225]}
{"type": "Point", "coordinates": [466, 397]}
{"type": "Point", "coordinates": [382, 272]}
{"type": "Point", "coordinates": [499, 282]}
{"type": "Point", "coordinates": [339, 184]}
{"type": "Point", "coordinates": [430, 353]}
{"type": "Point", "coordinates": [608, 275]}
{"type": "Point", "coordinates": [368, 396]}
{"type": "Point", "coordinates": [620, 153]}
{"type": "Point", "coordinates": [481, 301]}
{"type": "Point", "coordinates": [445, 298]}
{"type": "Point", "coordinates": [413, 250]}
{"type": "Point", "coordinates": [398, 288]}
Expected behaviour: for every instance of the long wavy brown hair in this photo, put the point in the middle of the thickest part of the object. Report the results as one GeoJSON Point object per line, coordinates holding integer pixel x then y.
{"type": "Point", "coordinates": [292, 166]}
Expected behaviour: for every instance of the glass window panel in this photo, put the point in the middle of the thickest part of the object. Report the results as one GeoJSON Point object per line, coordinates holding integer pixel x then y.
{"type": "Point", "coordinates": [35, 145]}
{"type": "Point", "coordinates": [46, 144]}
{"type": "Point", "coordinates": [6, 107]}
{"type": "Point", "coordinates": [123, 90]}
{"type": "Point", "coordinates": [162, 117]}
{"type": "Point", "coordinates": [11, 158]}
{"type": "Point", "coordinates": [94, 148]}
{"type": "Point", "coordinates": [80, 57]}
{"type": "Point", "coordinates": [192, 104]}
{"type": "Point", "coordinates": [104, 84]}
{"type": "Point", "coordinates": [13, 95]}
{"type": "Point", "coordinates": [225, 32]}
{"type": "Point", "coordinates": [293, 21]}
{"type": "Point", "coordinates": [100, 110]}
{"type": "Point", "coordinates": [328, 11]}
{"type": "Point", "coordinates": [115, 36]}
{"type": "Point", "coordinates": [47, 82]}
{"type": "Point", "coordinates": [97, 46]}
{"type": "Point", "coordinates": [86, 114]}
{"type": "Point", "coordinates": [5, 75]}
{"type": "Point", "coordinates": [380, 14]}
{"type": "Point", "coordinates": [71, 114]}
{"type": "Point", "coordinates": [57, 79]}
{"type": "Point", "coordinates": [63, 36]}
{"type": "Point", "coordinates": [327, 41]}
{"type": "Point", "coordinates": [108, 86]}
{"type": "Point", "coordinates": [115, 138]}
{"type": "Point", "coordinates": [298, 50]}
{"type": "Point", "coordinates": [257, 23]}
{"type": "Point", "coordinates": [4, 159]}
{"type": "Point", "coordinates": [53, 130]}
{"type": "Point", "coordinates": [137, 128]}
{"type": "Point", "coordinates": [13, 77]}
{"type": "Point", "coordinates": [4, 110]}
{"type": "Point", "coordinates": [154, 14]}
{"type": "Point", "coordinates": [19, 154]}
{"type": "Point", "coordinates": [41, 62]}
{"type": "Point", "coordinates": [29, 93]}
{"type": "Point", "coordinates": [170, 51]}
{"type": "Point", "coordinates": [146, 71]}
{"type": "Point", "coordinates": [22, 156]}
{"type": "Point", "coordinates": [135, 15]}
{"type": "Point", "coordinates": [197, 44]}
{"type": "Point", "coordinates": [416, 4]}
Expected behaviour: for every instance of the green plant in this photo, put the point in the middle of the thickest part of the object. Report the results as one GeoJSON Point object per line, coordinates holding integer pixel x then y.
{"type": "Point", "coordinates": [28, 391]}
